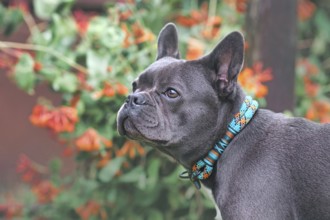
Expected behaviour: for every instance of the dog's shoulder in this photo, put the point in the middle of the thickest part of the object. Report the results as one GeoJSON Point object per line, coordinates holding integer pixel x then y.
{"type": "Point", "coordinates": [294, 128]}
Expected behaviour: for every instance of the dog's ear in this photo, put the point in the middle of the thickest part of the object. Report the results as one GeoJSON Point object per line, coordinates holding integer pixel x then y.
{"type": "Point", "coordinates": [168, 42]}
{"type": "Point", "coordinates": [226, 60]}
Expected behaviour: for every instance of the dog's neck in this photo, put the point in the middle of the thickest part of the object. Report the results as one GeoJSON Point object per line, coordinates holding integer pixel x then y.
{"type": "Point", "coordinates": [193, 151]}
{"type": "Point", "coordinates": [203, 168]}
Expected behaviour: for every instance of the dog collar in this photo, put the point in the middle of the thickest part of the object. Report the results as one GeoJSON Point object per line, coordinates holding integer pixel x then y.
{"type": "Point", "coordinates": [203, 168]}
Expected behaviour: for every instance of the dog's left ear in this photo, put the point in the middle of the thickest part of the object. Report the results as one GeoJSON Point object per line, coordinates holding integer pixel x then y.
{"type": "Point", "coordinates": [226, 61]}
{"type": "Point", "coordinates": [168, 42]}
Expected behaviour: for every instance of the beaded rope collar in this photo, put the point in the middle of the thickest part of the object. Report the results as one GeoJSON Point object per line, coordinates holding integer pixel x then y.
{"type": "Point", "coordinates": [203, 168]}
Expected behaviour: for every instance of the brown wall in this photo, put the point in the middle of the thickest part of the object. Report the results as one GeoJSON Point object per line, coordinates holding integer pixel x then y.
{"type": "Point", "coordinates": [17, 135]}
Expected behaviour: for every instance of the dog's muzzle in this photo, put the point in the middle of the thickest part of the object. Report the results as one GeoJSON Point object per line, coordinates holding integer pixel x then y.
{"type": "Point", "coordinates": [131, 109]}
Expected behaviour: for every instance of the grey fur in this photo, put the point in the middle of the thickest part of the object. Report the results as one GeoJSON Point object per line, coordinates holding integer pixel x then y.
{"type": "Point", "coordinates": [276, 168]}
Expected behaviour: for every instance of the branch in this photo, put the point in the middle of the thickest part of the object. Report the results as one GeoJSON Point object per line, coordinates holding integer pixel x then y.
{"type": "Point", "coordinates": [14, 45]}
{"type": "Point", "coordinates": [30, 22]}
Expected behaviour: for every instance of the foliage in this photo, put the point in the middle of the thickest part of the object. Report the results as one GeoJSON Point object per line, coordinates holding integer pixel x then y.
{"type": "Point", "coordinates": [90, 60]}
{"type": "Point", "coordinates": [313, 65]}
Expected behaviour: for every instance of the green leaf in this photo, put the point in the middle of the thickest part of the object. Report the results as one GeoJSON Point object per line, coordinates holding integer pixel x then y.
{"type": "Point", "coordinates": [97, 64]}
{"type": "Point", "coordinates": [155, 215]}
{"type": "Point", "coordinates": [105, 36]}
{"type": "Point", "coordinates": [24, 75]}
{"type": "Point", "coordinates": [88, 185]}
{"type": "Point", "coordinates": [2, 15]}
{"type": "Point", "coordinates": [132, 176]}
{"type": "Point", "coordinates": [112, 196]}
{"type": "Point", "coordinates": [80, 107]}
{"type": "Point", "coordinates": [113, 37]}
{"type": "Point", "coordinates": [50, 74]}
{"type": "Point", "coordinates": [55, 165]}
{"type": "Point", "coordinates": [153, 173]}
{"type": "Point", "coordinates": [12, 18]}
{"type": "Point", "coordinates": [45, 8]}
{"type": "Point", "coordinates": [111, 169]}
{"type": "Point", "coordinates": [319, 45]}
{"type": "Point", "coordinates": [66, 83]}
{"type": "Point", "coordinates": [63, 34]}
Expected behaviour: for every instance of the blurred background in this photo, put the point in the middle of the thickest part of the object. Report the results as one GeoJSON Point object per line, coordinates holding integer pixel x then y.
{"type": "Point", "coordinates": [66, 68]}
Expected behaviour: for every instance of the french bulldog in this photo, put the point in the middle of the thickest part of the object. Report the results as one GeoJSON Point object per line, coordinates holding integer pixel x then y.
{"type": "Point", "coordinates": [277, 167]}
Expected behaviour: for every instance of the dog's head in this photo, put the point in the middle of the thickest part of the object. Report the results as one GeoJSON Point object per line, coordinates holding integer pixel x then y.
{"type": "Point", "coordinates": [178, 104]}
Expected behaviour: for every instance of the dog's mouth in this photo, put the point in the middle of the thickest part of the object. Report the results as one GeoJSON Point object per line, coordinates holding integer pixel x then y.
{"type": "Point", "coordinates": [127, 128]}
{"type": "Point", "coordinates": [124, 126]}
{"type": "Point", "coordinates": [121, 126]}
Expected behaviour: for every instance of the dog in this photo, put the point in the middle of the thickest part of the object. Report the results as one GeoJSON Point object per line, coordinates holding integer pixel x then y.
{"type": "Point", "coordinates": [276, 167]}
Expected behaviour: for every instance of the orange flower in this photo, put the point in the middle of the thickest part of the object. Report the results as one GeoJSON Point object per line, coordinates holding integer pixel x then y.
{"type": "Point", "coordinates": [212, 28]}
{"type": "Point", "coordinates": [141, 35]}
{"type": "Point", "coordinates": [60, 119]}
{"type": "Point", "coordinates": [40, 116]}
{"type": "Point", "coordinates": [239, 5]}
{"type": "Point", "coordinates": [29, 170]}
{"type": "Point", "coordinates": [252, 79]}
{"type": "Point", "coordinates": [45, 192]}
{"type": "Point", "coordinates": [130, 148]}
{"type": "Point", "coordinates": [92, 208]}
{"type": "Point", "coordinates": [108, 90]}
{"type": "Point", "coordinates": [104, 160]}
{"type": "Point", "coordinates": [121, 89]}
{"type": "Point", "coordinates": [63, 119]}
{"type": "Point", "coordinates": [67, 152]}
{"type": "Point", "coordinates": [308, 67]}
{"type": "Point", "coordinates": [195, 49]}
{"type": "Point", "coordinates": [127, 40]}
{"type": "Point", "coordinates": [83, 81]}
{"type": "Point", "coordinates": [11, 209]}
{"type": "Point", "coordinates": [195, 17]}
{"type": "Point", "coordinates": [125, 15]}
{"type": "Point", "coordinates": [125, 12]}
{"type": "Point", "coordinates": [246, 45]}
{"type": "Point", "coordinates": [311, 88]}
{"type": "Point", "coordinates": [210, 24]}
{"type": "Point", "coordinates": [306, 9]}
{"type": "Point", "coordinates": [23, 5]}
{"type": "Point", "coordinates": [187, 21]}
{"type": "Point", "coordinates": [6, 61]}
{"type": "Point", "coordinates": [309, 70]}
{"type": "Point", "coordinates": [74, 100]}
{"type": "Point", "coordinates": [319, 111]}
{"type": "Point", "coordinates": [91, 140]}
{"type": "Point", "coordinates": [137, 35]}
{"type": "Point", "coordinates": [82, 20]}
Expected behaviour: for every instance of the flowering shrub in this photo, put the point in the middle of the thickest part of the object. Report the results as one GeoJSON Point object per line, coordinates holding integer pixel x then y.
{"type": "Point", "coordinates": [312, 72]}
{"type": "Point", "coordinates": [90, 60]}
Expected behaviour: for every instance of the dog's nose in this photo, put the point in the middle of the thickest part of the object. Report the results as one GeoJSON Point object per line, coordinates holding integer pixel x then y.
{"type": "Point", "coordinates": [136, 99]}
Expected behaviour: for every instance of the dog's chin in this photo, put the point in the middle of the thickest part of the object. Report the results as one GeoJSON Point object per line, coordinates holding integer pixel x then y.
{"type": "Point", "coordinates": [128, 129]}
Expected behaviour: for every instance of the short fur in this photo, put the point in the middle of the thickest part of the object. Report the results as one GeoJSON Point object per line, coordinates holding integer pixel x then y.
{"type": "Point", "coordinates": [276, 168]}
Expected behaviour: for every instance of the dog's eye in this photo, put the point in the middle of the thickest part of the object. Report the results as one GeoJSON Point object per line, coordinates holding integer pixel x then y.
{"type": "Point", "coordinates": [171, 93]}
